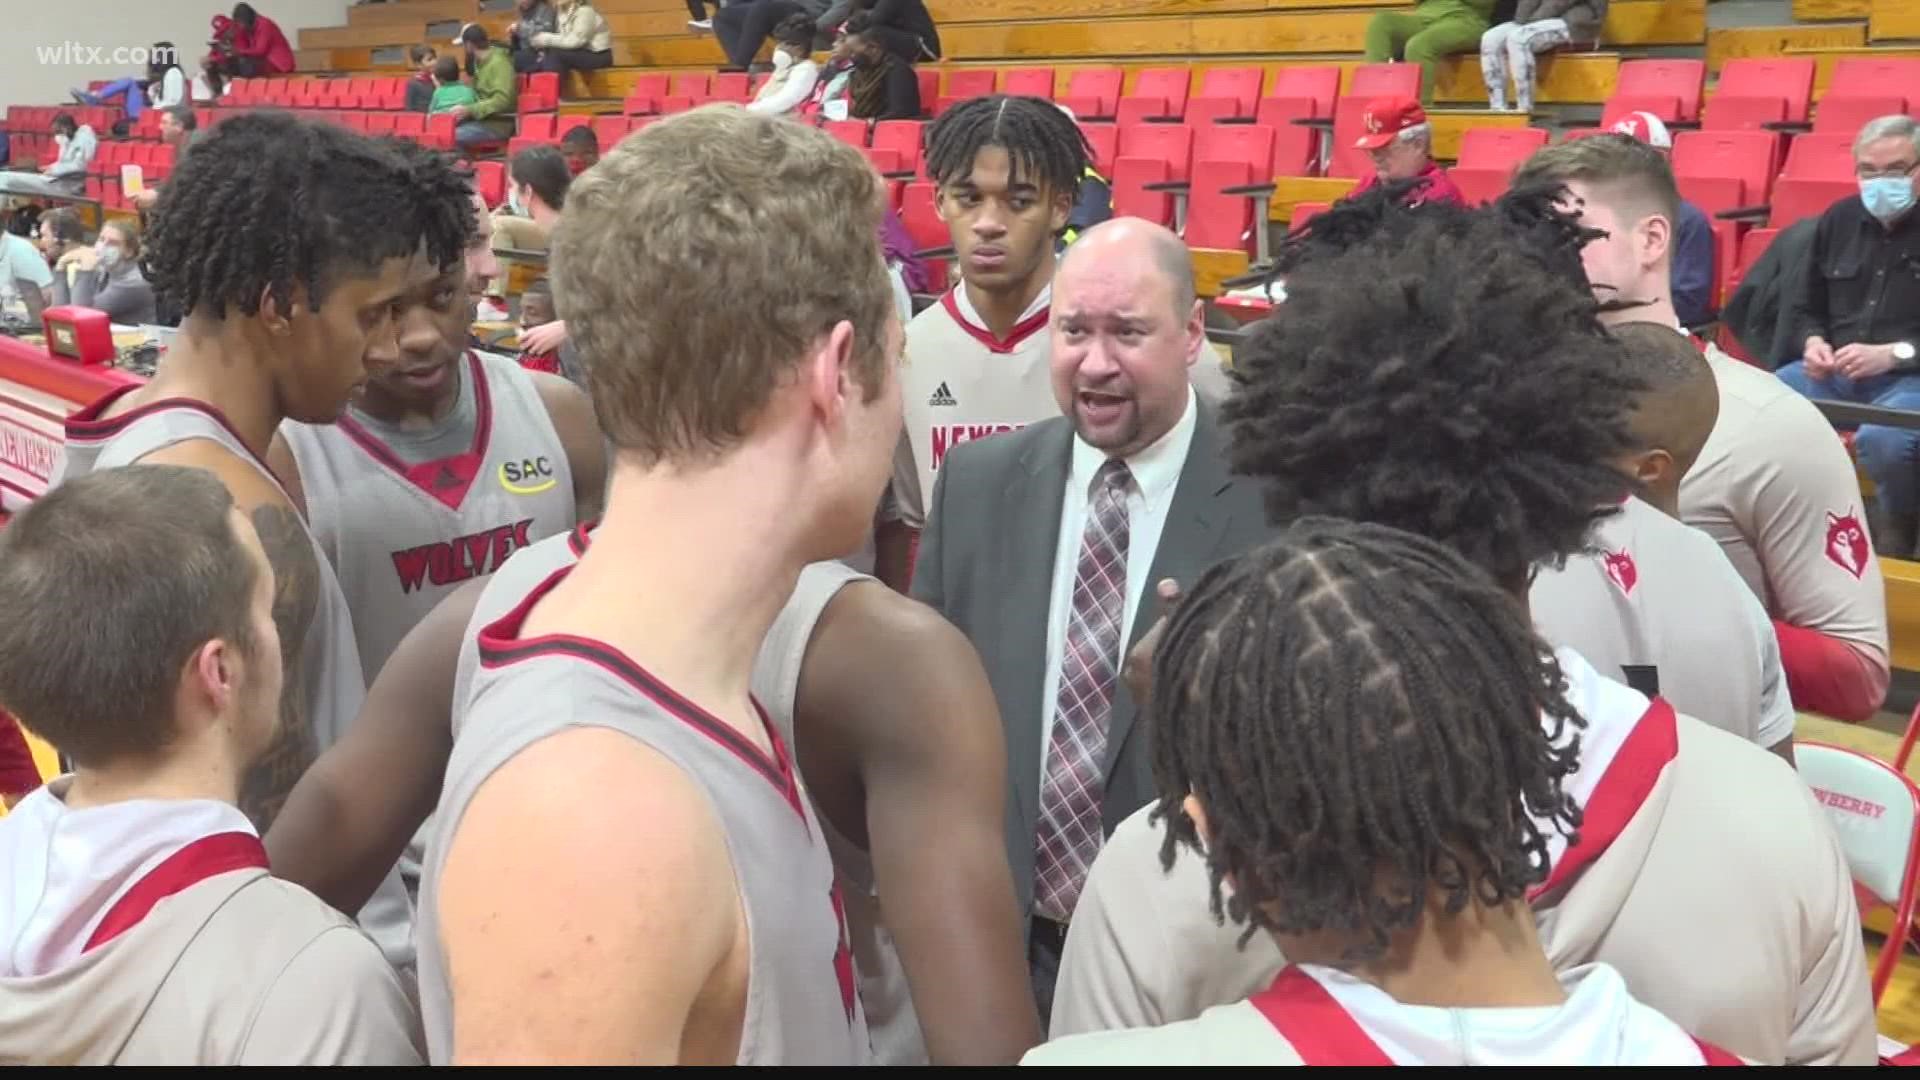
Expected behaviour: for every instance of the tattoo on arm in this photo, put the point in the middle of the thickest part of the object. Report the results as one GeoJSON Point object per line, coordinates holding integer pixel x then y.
{"type": "Point", "coordinates": [296, 596]}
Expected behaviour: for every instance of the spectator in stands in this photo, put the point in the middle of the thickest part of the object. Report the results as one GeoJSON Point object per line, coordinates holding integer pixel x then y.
{"type": "Point", "coordinates": [581, 147]}
{"type": "Point", "coordinates": [25, 274]}
{"type": "Point", "coordinates": [488, 120]}
{"type": "Point", "coordinates": [902, 27]}
{"type": "Point", "coordinates": [68, 173]}
{"type": "Point", "coordinates": [1537, 26]}
{"type": "Point", "coordinates": [536, 309]}
{"type": "Point", "coordinates": [882, 86]}
{"type": "Point", "coordinates": [256, 45]}
{"type": "Point", "coordinates": [579, 41]}
{"type": "Point", "coordinates": [61, 238]}
{"type": "Point", "coordinates": [1859, 317]}
{"type": "Point", "coordinates": [536, 17]}
{"type": "Point", "coordinates": [179, 128]}
{"type": "Point", "coordinates": [1433, 29]}
{"type": "Point", "coordinates": [109, 277]}
{"type": "Point", "coordinates": [1400, 141]}
{"type": "Point", "coordinates": [794, 72]}
{"type": "Point", "coordinates": [420, 88]}
{"type": "Point", "coordinates": [449, 93]}
{"type": "Point", "coordinates": [742, 26]}
{"type": "Point", "coordinates": [164, 85]}
{"type": "Point", "coordinates": [697, 18]}
{"type": "Point", "coordinates": [1693, 234]}
{"type": "Point", "coordinates": [537, 182]}
{"type": "Point", "coordinates": [1774, 484]}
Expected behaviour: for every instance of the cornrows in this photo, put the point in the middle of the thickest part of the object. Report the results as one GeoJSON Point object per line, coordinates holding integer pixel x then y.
{"type": "Point", "coordinates": [1360, 713]}
{"type": "Point", "coordinates": [1046, 147]}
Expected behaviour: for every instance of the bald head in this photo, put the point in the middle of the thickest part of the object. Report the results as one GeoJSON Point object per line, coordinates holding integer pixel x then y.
{"type": "Point", "coordinates": [1138, 242]}
{"type": "Point", "coordinates": [1676, 410]}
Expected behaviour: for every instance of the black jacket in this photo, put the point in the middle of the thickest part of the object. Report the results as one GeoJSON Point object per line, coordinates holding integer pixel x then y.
{"type": "Point", "coordinates": [1761, 310]}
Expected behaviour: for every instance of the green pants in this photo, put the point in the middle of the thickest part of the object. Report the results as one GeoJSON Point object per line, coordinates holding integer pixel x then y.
{"type": "Point", "coordinates": [1424, 35]}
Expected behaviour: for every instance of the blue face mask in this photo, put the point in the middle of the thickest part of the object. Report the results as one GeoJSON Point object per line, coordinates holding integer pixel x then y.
{"type": "Point", "coordinates": [1887, 197]}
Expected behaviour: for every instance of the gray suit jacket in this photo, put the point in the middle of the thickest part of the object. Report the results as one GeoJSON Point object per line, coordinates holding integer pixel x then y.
{"type": "Point", "coordinates": [986, 562]}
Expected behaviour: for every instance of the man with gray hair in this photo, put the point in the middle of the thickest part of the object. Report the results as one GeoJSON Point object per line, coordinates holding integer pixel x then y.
{"type": "Point", "coordinates": [1859, 318]}
{"type": "Point", "coordinates": [1398, 137]}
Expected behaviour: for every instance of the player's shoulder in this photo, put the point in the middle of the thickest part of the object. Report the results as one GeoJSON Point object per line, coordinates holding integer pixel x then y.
{"type": "Point", "coordinates": [1753, 401]}
{"type": "Point", "coordinates": [1727, 772]}
{"type": "Point", "coordinates": [246, 479]}
{"type": "Point", "coordinates": [933, 319]}
{"type": "Point", "coordinates": [276, 916]}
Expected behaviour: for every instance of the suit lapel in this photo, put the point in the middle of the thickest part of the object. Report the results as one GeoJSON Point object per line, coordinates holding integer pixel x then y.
{"type": "Point", "coordinates": [1034, 493]}
{"type": "Point", "coordinates": [1197, 524]}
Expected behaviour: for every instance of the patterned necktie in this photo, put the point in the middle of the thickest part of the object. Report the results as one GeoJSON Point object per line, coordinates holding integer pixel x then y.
{"type": "Point", "coordinates": [1072, 789]}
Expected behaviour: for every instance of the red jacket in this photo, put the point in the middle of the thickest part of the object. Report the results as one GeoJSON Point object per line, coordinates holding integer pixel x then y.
{"type": "Point", "coordinates": [1436, 186]}
{"type": "Point", "coordinates": [18, 773]}
{"type": "Point", "coordinates": [266, 43]}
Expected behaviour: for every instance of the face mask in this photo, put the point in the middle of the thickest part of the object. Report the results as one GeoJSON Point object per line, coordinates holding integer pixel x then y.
{"type": "Point", "coordinates": [515, 204]}
{"type": "Point", "coordinates": [109, 257]}
{"type": "Point", "coordinates": [781, 61]}
{"type": "Point", "coordinates": [1887, 197]}
{"type": "Point", "coordinates": [60, 140]}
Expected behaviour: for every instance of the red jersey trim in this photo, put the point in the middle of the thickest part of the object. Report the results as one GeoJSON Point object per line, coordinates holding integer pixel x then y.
{"type": "Point", "coordinates": [446, 479]}
{"type": "Point", "coordinates": [1629, 780]}
{"type": "Point", "coordinates": [1021, 331]}
{"type": "Point", "coordinates": [91, 424]}
{"type": "Point", "coordinates": [1318, 1028]}
{"type": "Point", "coordinates": [500, 646]}
{"type": "Point", "coordinates": [206, 857]}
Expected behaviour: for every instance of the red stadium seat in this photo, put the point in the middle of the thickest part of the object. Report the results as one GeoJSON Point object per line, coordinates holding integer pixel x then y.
{"type": "Point", "coordinates": [1788, 80]}
{"type": "Point", "coordinates": [1027, 82]}
{"type": "Point", "coordinates": [1796, 198]}
{"type": "Point", "coordinates": [1746, 156]}
{"type": "Point", "coordinates": [1669, 89]}
{"type": "Point", "coordinates": [1317, 87]}
{"type": "Point", "coordinates": [535, 130]}
{"type": "Point", "coordinates": [903, 137]}
{"type": "Point", "coordinates": [1347, 160]}
{"type": "Point", "coordinates": [649, 89]}
{"type": "Point", "coordinates": [732, 86]}
{"type": "Point", "coordinates": [1372, 81]}
{"type": "Point", "coordinates": [1157, 93]}
{"type": "Point", "coordinates": [851, 132]}
{"type": "Point", "coordinates": [1821, 156]}
{"type": "Point", "coordinates": [490, 179]}
{"type": "Point", "coordinates": [1105, 140]}
{"type": "Point", "coordinates": [1216, 221]}
{"type": "Point", "coordinates": [1227, 92]}
{"type": "Point", "coordinates": [1876, 76]}
{"type": "Point", "coordinates": [609, 130]}
{"type": "Point", "coordinates": [1296, 148]}
{"type": "Point", "coordinates": [1093, 93]}
{"type": "Point", "coordinates": [1488, 157]}
{"type": "Point", "coordinates": [964, 84]}
{"type": "Point", "coordinates": [1847, 115]}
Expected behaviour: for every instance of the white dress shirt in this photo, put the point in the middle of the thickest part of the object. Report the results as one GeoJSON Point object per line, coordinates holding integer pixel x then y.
{"type": "Point", "coordinates": [1155, 474]}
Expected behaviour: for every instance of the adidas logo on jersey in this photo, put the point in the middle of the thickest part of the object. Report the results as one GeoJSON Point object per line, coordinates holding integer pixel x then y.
{"type": "Point", "coordinates": [942, 396]}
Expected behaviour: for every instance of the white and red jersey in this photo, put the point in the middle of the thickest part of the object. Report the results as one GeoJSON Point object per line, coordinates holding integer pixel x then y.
{"type": "Point", "coordinates": [961, 382]}
{"type": "Point", "coordinates": [1705, 872]}
{"type": "Point", "coordinates": [1311, 1015]}
{"type": "Point", "coordinates": [149, 932]}
{"type": "Point", "coordinates": [1656, 605]}
{"type": "Point", "coordinates": [1775, 487]}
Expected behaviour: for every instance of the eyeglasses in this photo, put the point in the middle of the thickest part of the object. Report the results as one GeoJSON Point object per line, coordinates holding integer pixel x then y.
{"type": "Point", "coordinates": [1897, 169]}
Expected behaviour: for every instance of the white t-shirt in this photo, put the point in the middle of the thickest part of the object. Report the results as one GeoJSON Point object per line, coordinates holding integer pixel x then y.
{"type": "Point", "coordinates": [21, 261]}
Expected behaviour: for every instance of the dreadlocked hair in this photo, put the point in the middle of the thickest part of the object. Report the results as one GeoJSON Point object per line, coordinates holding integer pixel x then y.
{"type": "Point", "coordinates": [269, 201]}
{"type": "Point", "coordinates": [1044, 146]}
{"type": "Point", "coordinates": [1441, 370]}
{"type": "Point", "coordinates": [1359, 713]}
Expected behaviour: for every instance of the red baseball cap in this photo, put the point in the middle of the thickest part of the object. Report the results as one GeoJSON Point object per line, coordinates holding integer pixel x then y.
{"type": "Point", "coordinates": [1386, 117]}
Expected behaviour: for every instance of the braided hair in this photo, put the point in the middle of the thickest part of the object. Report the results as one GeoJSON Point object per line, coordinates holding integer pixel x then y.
{"type": "Point", "coordinates": [1358, 712]}
{"type": "Point", "coordinates": [1044, 146]}
{"type": "Point", "coordinates": [268, 201]}
{"type": "Point", "coordinates": [1442, 370]}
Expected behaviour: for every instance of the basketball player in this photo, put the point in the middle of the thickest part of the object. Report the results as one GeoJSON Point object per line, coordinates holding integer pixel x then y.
{"type": "Point", "coordinates": [673, 898]}
{"type": "Point", "coordinates": [1774, 484]}
{"type": "Point", "coordinates": [1352, 738]}
{"type": "Point", "coordinates": [288, 281]}
{"type": "Point", "coordinates": [895, 731]}
{"type": "Point", "coordinates": [1654, 603]}
{"type": "Point", "coordinates": [1442, 370]}
{"type": "Point", "coordinates": [1009, 170]}
{"type": "Point", "coordinates": [446, 463]}
{"type": "Point", "coordinates": [349, 220]}
{"type": "Point", "coordinates": [138, 922]}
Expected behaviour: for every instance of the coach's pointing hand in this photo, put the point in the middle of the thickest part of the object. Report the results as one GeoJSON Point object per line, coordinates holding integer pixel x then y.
{"type": "Point", "coordinates": [1137, 671]}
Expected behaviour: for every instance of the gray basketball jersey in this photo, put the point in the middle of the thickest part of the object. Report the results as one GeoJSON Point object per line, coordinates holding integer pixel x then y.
{"type": "Point", "coordinates": [330, 659]}
{"type": "Point", "coordinates": [892, 1025]}
{"type": "Point", "coordinates": [803, 1008]}
{"type": "Point", "coordinates": [403, 533]}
